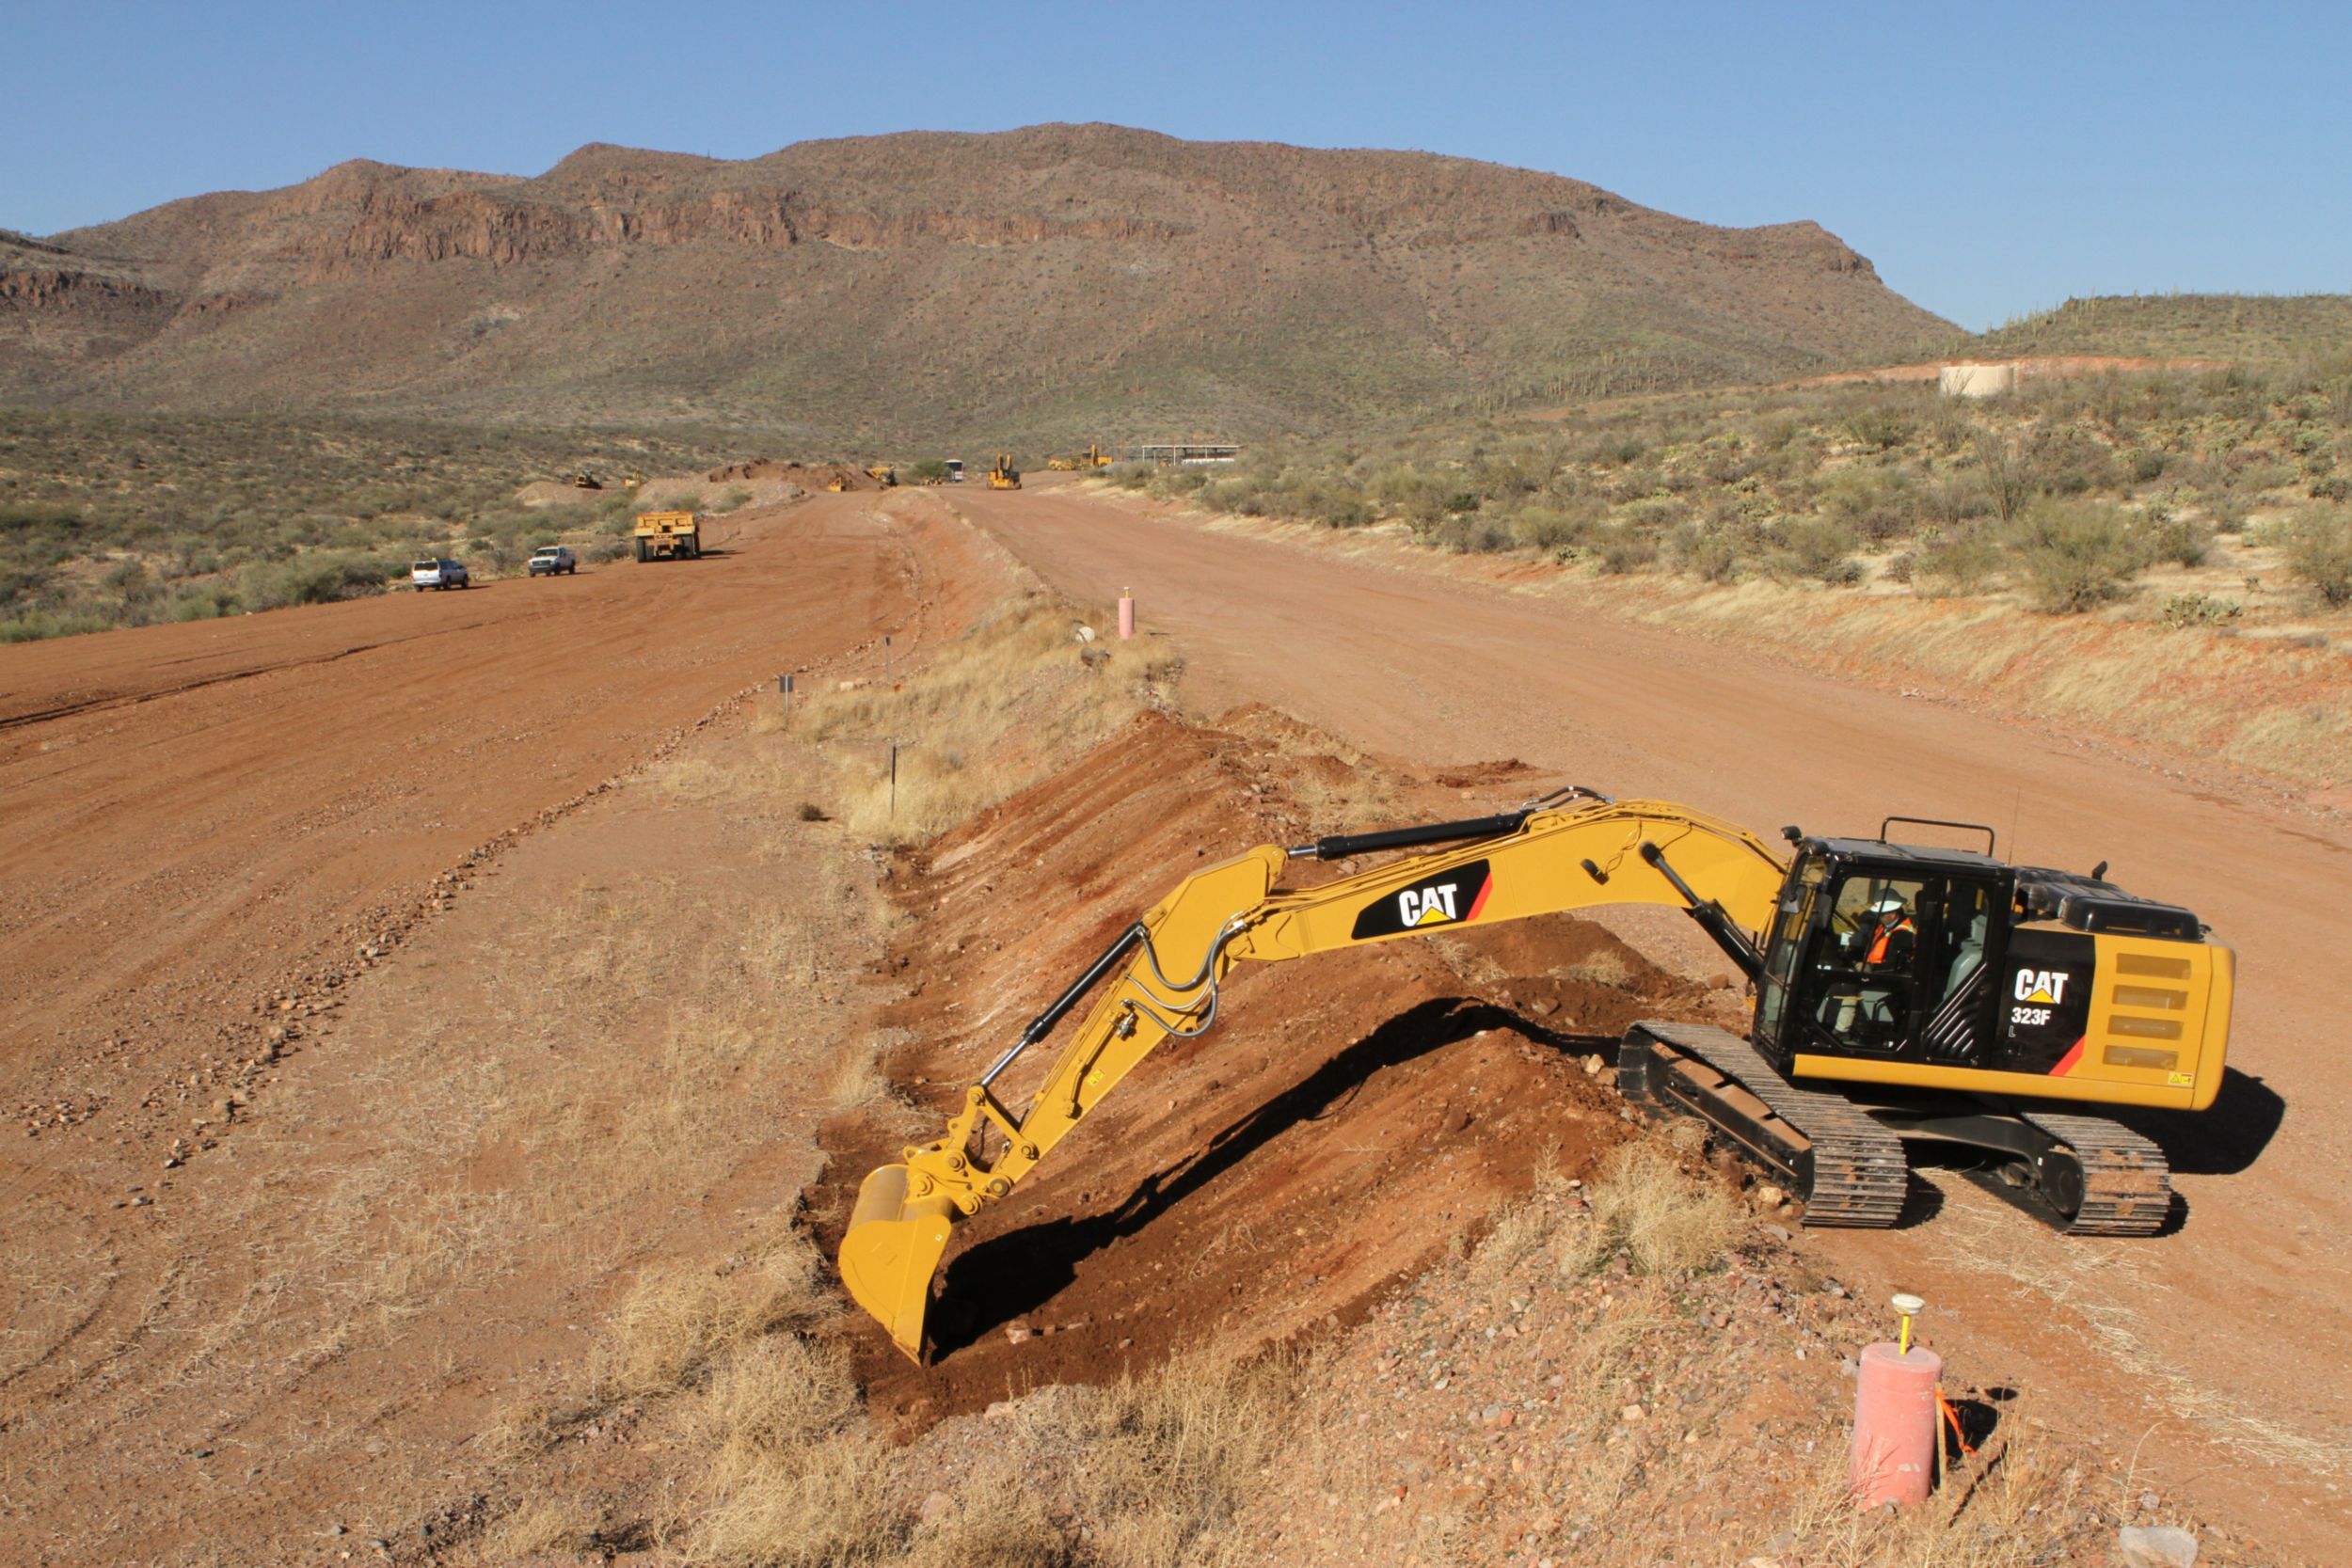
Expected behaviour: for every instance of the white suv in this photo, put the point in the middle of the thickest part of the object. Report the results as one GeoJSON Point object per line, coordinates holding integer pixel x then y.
{"type": "Point", "coordinates": [439, 574]}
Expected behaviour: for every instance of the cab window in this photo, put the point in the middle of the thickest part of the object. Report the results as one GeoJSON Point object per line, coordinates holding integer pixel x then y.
{"type": "Point", "coordinates": [1866, 963]}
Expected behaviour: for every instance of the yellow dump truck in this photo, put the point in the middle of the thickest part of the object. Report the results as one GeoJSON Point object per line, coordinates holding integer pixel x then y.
{"type": "Point", "coordinates": [667, 535]}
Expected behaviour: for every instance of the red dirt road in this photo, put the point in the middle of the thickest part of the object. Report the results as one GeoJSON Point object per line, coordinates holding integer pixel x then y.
{"type": "Point", "coordinates": [223, 797]}
{"type": "Point", "coordinates": [2178, 1336]}
{"type": "Point", "coordinates": [206, 823]}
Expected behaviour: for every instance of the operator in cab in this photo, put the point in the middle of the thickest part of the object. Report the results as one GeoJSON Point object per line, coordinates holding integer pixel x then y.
{"type": "Point", "coordinates": [1894, 937]}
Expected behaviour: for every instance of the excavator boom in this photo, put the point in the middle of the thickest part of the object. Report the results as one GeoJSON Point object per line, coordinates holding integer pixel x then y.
{"type": "Point", "coordinates": [1160, 978]}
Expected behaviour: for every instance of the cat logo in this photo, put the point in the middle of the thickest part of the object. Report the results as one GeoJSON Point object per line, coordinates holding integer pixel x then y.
{"type": "Point", "coordinates": [2045, 986]}
{"type": "Point", "coordinates": [1454, 896]}
{"type": "Point", "coordinates": [1426, 905]}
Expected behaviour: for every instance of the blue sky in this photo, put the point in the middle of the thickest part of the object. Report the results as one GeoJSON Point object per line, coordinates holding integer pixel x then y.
{"type": "Point", "coordinates": [1990, 159]}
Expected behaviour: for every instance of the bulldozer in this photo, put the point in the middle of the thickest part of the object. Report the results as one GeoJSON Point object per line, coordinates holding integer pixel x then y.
{"type": "Point", "coordinates": [1004, 476]}
{"type": "Point", "coordinates": [881, 474]}
{"type": "Point", "coordinates": [583, 480]}
{"type": "Point", "coordinates": [1905, 995]}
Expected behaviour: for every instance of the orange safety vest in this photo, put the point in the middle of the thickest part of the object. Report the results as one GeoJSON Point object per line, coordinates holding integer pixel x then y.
{"type": "Point", "coordinates": [1878, 946]}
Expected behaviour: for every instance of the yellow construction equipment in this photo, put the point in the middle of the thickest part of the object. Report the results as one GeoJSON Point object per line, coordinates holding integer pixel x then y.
{"type": "Point", "coordinates": [1004, 476]}
{"type": "Point", "coordinates": [883, 474]}
{"type": "Point", "coordinates": [634, 480]}
{"type": "Point", "coordinates": [583, 480]}
{"type": "Point", "coordinates": [1093, 458]}
{"type": "Point", "coordinates": [668, 536]}
{"type": "Point", "coordinates": [1903, 993]}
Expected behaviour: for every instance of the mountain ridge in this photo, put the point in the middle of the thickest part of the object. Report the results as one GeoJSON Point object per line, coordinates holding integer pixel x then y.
{"type": "Point", "coordinates": [1050, 279]}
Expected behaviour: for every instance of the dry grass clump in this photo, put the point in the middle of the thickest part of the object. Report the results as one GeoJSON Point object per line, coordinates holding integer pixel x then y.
{"type": "Point", "coordinates": [1669, 1221]}
{"type": "Point", "coordinates": [977, 719]}
{"type": "Point", "coordinates": [540, 1529]}
{"type": "Point", "coordinates": [672, 1326]}
{"type": "Point", "coordinates": [1174, 1457]}
{"type": "Point", "coordinates": [1149, 1473]}
{"type": "Point", "coordinates": [802, 1480]}
{"type": "Point", "coordinates": [2018, 1505]}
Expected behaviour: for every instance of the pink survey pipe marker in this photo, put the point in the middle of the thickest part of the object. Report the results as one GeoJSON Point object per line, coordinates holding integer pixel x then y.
{"type": "Point", "coordinates": [1894, 1425]}
{"type": "Point", "coordinates": [1126, 613]}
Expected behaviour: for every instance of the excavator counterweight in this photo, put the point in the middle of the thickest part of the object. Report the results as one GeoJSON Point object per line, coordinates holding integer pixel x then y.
{"type": "Point", "coordinates": [1903, 993]}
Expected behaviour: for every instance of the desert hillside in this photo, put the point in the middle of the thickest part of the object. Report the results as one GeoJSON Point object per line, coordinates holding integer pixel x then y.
{"type": "Point", "coordinates": [1052, 282]}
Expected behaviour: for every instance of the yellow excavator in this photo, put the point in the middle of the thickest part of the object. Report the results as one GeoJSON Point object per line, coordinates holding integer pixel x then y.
{"type": "Point", "coordinates": [1004, 476]}
{"type": "Point", "coordinates": [1903, 993]}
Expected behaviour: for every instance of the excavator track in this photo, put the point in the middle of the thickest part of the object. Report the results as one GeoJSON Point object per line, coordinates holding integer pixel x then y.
{"type": "Point", "coordinates": [2125, 1187]}
{"type": "Point", "coordinates": [1850, 1171]}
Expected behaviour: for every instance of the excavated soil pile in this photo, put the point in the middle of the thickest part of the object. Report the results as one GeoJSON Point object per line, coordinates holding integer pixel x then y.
{"type": "Point", "coordinates": [1348, 1119]}
{"type": "Point", "coordinates": [818, 476]}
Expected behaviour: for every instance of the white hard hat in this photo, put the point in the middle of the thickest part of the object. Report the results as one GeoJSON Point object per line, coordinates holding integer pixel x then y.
{"type": "Point", "coordinates": [1889, 903]}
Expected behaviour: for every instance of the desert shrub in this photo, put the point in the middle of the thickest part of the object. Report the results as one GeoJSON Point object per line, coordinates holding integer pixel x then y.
{"type": "Point", "coordinates": [1871, 504]}
{"type": "Point", "coordinates": [2319, 551]}
{"type": "Point", "coordinates": [313, 578]}
{"type": "Point", "coordinates": [1471, 533]}
{"type": "Point", "coordinates": [2254, 472]}
{"type": "Point", "coordinates": [2332, 488]}
{"type": "Point", "coordinates": [2226, 508]}
{"type": "Point", "coordinates": [2005, 474]}
{"type": "Point", "coordinates": [2143, 465]}
{"type": "Point", "coordinates": [1957, 560]}
{"type": "Point", "coordinates": [1623, 549]}
{"type": "Point", "coordinates": [1711, 555]}
{"type": "Point", "coordinates": [1821, 548]}
{"type": "Point", "coordinates": [2074, 555]}
{"type": "Point", "coordinates": [933, 470]}
{"type": "Point", "coordinates": [2167, 536]}
{"type": "Point", "coordinates": [2198, 610]}
{"type": "Point", "coordinates": [2068, 460]}
{"type": "Point", "coordinates": [1877, 429]}
{"type": "Point", "coordinates": [33, 626]}
{"type": "Point", "coordinates": [1949, 422]}
{"type": "Point", "coordinates": [1546, 528]}
{"type": "Point", "coordinates": [1953, 499]}
{"type": "Point", "coordinates": [205, 602]}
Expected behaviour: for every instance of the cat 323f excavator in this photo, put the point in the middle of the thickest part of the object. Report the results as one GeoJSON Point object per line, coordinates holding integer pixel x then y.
{"type": "Point", "coordinates": [1903, 993]}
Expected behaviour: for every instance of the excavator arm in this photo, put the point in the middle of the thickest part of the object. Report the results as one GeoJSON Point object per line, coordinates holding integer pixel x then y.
{"type": "Point", "coordinates": [1161, 979]}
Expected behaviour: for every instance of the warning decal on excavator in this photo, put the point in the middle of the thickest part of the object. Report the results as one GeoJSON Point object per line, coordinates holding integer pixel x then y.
{"type": "Point", "coordinates": [1446, 897]}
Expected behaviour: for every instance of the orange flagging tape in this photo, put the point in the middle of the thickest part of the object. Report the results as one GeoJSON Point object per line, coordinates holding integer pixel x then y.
{"type": "Point", "coordinates": [1953, 1416]}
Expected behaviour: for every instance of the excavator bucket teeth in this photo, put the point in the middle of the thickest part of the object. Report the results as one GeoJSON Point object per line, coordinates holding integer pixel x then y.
{"type": "Point", "coordinates": [890, 1252]}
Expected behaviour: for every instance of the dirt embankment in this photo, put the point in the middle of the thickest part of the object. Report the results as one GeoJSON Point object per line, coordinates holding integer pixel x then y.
{"type": "Point", "coordinates": [1348, 1119]}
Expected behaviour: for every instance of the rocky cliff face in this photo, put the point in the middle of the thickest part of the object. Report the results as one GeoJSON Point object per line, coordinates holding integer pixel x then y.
{"type": "Point", "coordinates": [1039, 281]}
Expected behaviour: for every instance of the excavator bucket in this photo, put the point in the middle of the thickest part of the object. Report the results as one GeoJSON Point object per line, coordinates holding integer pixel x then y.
{"type": "Point", "coordinates": [891, 1250]}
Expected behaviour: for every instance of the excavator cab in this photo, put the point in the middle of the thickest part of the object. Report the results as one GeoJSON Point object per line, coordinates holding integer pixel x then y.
{"type": "Point", "coordinates": [1880, 951]}
{"type": "Point", "coordinates": [1900, 964]}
